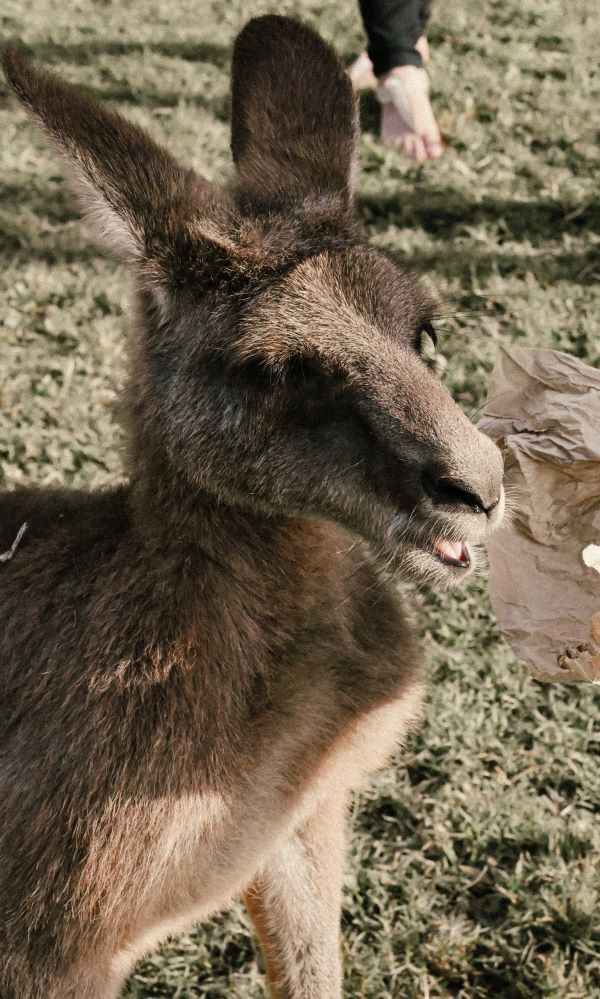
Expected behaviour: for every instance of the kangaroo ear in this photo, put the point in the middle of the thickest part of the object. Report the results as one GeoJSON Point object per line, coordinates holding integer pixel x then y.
{"type": "Point", "coordinates": [139, 198]}
{"type": "Point", "coordinates": [294, 116]}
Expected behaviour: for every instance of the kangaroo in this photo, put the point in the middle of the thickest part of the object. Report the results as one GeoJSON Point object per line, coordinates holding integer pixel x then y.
{"type": "Point", "coordinates": [200, 665]}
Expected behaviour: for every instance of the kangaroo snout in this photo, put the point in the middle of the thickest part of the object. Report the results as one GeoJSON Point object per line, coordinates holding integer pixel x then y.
{"type": "Point", "coordinates": [473, 484]}
{"type": "Point", "coordinates": [447, 491]}
{"type": "Point", "coordinates": [460, 500]}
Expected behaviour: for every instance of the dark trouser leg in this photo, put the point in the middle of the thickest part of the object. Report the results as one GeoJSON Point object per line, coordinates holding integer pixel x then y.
{"type": "Point", "coordinates": [393, 27]}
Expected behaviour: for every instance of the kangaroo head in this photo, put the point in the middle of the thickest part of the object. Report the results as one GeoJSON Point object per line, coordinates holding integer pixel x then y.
{"type": "Point", "coordinates": [276, 356]}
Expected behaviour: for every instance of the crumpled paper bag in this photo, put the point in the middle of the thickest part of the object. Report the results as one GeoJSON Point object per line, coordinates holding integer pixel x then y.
{"type": "Point", "coordinates": [543, 410]}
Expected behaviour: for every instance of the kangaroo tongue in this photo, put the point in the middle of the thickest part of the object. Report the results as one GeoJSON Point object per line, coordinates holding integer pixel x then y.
{"type": "Point", "coordinates": [454, 552]}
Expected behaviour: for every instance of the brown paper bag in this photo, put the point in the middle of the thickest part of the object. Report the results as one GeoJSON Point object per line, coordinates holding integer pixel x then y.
{"type": "Point", "coordinates": [543, 410]}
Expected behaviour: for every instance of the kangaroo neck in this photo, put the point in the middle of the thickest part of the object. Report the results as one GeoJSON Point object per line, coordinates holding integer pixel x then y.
{"type": "Point", "coordinates": [238, 539]}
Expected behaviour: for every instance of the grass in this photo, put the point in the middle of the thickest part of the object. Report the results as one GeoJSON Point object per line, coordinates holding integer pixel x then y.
{"type": "Point", "coordinates": [474, 862]}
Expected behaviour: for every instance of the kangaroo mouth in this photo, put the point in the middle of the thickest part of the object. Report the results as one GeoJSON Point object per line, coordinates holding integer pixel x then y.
{"type": "Point", "coordinates": [438, 561]}
{"type": "Point", "coordinates": [454, 553]}
{"type": "Point", "coordinates": [420, 550]}
{"type": "Point", "coordinates": [419, 553]}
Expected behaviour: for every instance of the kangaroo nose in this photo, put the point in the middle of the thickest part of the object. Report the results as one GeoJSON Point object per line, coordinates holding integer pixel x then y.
{"type": "Point", "coordinates": [447, 491]}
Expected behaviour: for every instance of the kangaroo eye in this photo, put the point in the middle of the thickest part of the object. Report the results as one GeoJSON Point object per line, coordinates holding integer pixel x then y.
{"type": "Point", "coordinates": [426, 340]}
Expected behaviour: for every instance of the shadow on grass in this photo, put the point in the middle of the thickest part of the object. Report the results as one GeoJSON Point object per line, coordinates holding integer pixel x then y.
{"type": "Point", "coordinates": [369, 110]}
{"type": "Point", "coordinates": [17, 251]}
{"type": "Point", "coordinates": [445, 211]}
{"type": "Point", "coordinates": [80, 53]}
{"type": "Point", "coordinates": [472, 263]}
{"type": "Point", "coordinates": [122, 89]}
{"type": "Point", "coordinates": [53, 204]}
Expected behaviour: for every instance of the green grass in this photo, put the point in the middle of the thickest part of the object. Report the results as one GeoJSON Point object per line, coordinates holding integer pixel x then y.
{"type": "Point", "coordinates": [474, 867]}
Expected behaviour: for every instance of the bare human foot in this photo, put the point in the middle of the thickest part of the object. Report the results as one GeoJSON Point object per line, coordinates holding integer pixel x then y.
{"type": "Point", "coordinates": [407, 118]}
{"type": "Point", "coordinates": [361, 73]}
{"type": "Point", "coordinates": [422, 47]}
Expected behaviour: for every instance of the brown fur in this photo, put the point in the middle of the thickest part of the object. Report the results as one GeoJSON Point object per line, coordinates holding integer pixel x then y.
{"type": "Point", "coordinates": [199, 666]}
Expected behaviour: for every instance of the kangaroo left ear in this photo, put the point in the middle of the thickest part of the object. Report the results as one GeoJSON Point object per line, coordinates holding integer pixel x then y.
{"type": "Point", "coordinates": [294, 116]}
{"type": "Point", "coordinates": [139, 198]}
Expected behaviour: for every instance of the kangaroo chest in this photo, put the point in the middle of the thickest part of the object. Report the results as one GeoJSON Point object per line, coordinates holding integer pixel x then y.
{"type": "Point", "coordinates": [213, 844]}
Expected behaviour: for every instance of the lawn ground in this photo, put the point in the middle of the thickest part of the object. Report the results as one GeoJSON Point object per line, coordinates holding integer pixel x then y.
{"type": "Point", "coordinates": [475, 860]}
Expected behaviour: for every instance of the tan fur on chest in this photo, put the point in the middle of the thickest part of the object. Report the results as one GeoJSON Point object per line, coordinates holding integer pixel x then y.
{"type": "Point", "coordinates": [212, 846]}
